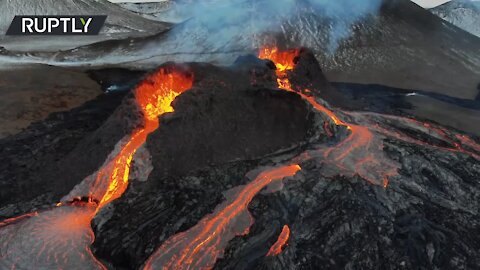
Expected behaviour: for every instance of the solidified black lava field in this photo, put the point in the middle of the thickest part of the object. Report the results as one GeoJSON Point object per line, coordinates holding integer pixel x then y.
{"type": "Point", "coordinates": [362, 189]}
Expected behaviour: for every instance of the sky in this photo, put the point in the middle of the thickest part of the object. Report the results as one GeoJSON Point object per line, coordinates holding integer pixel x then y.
{"type": "Point", "coordinates": [423, 3]}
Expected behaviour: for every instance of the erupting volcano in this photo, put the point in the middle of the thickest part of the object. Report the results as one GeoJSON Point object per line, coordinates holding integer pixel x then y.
{"type": "Point", "coordinates": [361, 152]}
{"type": "Point", "coordinates": [61, 237]}
{"type": "Point", "coordinates": [154, 97]}
{"type": "Point", "coordinates": [354, 154]}
{"type": "Point", "coordinates": [248, 149]}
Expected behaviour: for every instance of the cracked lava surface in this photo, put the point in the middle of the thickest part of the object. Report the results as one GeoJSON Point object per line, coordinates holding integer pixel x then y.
{"type": "Point", "coordinates": [60, 238]}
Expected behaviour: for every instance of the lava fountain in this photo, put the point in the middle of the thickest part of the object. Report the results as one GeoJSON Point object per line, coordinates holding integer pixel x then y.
{"type": "Point", "coordinates": [60, 238]}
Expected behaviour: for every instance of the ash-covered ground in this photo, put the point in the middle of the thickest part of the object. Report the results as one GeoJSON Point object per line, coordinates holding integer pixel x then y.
{"type": "Point", "coordinates": [375, 190]}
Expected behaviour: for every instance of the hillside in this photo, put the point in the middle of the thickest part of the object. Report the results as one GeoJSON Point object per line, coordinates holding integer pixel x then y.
{"type": "Point", "coordinates": [120, 23]}
{"type": "Point", "coordinates": [462, 13]}
{"type": "Point", "coordinates": [402, 46]}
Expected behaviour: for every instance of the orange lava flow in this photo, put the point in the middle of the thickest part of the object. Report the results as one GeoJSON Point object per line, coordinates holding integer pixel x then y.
{"type": "Point", "coordinates": [16, 219]}
{"type": "Point", "coordinates": [285, 61]}
{"type": "Point", "coordinates": [361, 152]}
{"type": "Point", "coordinates": [459, 143]}
{"type": "Point", "coordinates": [60, 238]}
{"type": "Point", "coordinates": [281, 242]}
{"type": "Point", "coordinates": [154, 97]}
{"type": "Point", "coordinates": [203, 244]}
{"type": "Point", "coordinates": [360, 141]}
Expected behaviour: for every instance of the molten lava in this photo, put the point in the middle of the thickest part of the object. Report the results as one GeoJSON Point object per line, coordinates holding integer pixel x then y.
{"type": "Point", "coordinates": [355, 155]}
{"type": "Point", "coordinates": [60, 238]}
{"type": "Point", "coordinates": [203, 244]}
{"type": "Point", "coordinates": [154, 97]}
{"type": "Point", "coordinates": [56, 239]}
{"type": "Point", "coordinates": [361, 152]}
{"type": "Point", "coordinates": [284, 61]}
{"type": "Point", "coordinates": [281, 242]}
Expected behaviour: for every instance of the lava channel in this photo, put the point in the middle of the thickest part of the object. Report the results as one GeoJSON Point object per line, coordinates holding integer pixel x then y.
{"type": "Point", "coordinates": [282, 240]}
{"type": "Point", "coordinates": [361, 153]}
{"type": "Point", "coordinates": [60, 238]}
{"type": "Point", "coordinates": [201, 246]}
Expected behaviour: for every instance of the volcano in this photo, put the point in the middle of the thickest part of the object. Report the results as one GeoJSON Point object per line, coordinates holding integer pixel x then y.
{"type": "Point", "coordinates": [246, 167]}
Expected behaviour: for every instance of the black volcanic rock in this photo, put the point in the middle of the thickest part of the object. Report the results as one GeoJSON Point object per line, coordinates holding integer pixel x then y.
{"type": "Point", "coordinates": [214, 126]}
{"type": "Point", "coordinates": [234, 122]}
{"type": "Point", "coordinates": [221, 129]}
{"type": "Point", "coordinates": [43, 161]}
{"type": "Point", "coordinates": [426, 218]}
{"type": "Point", "coordinates": [116, 79]}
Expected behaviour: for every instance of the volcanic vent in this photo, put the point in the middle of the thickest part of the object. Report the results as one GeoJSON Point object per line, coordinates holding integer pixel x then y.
{"type": "Point", "coordinates": [247, 167]}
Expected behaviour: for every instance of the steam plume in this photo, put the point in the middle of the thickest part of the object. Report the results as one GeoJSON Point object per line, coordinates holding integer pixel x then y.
{"type": "Point", "coordinates": [218, 25]}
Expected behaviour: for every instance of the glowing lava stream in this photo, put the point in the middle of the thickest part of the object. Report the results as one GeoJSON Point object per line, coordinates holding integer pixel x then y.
{"type": "Point", "coordinates": [203, 244]}
{"type": "Point", "coordinates": [60, 238]}
{"type": "Point", "coordinates": [154, 96]}
{"type": "Point", "coordinates": [281, 242]}
{"type": "Point", "coordinates": [360, 153]}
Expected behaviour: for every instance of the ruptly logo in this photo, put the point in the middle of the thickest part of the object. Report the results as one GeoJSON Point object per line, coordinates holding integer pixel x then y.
{"type": "Point", "coordinates": [56, 25]}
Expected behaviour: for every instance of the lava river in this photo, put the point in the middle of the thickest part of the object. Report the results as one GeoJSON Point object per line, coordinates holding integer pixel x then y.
{"type": "Point", "coordinates": [361, 152]}
{"type": "Point", "coordinates": [201, 246]}
{"type": "Point", "coordinates": [281, 242]}
{"type": "Point", "coordinates": [60, 238]}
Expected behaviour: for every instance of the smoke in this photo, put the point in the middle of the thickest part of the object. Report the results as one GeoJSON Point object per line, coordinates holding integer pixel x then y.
{"type": "Point", "coordinates": [222, 25]}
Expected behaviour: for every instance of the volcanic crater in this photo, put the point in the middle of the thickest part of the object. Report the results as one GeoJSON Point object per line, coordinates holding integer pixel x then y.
{"type": "Point", "coordinates": [187, 172]}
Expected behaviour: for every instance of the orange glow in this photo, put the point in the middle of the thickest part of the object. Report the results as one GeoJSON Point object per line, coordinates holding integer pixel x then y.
{"type": "Point", "coordinates": [361, 153]}
{"type": "Point", "coordinates": [9, 221]}
{"type": "Point", "coordinates": [356, 147]}
{"type": "Point", "coordinates": [284, 61]}
{"type": "Point", "coordinates": [200, 246]}
{"type": "Point", "coordinates": [61, 237]}
{"type": "Point", "coordinates": [460, 144]}
{"type": "Point", "coordinates": [156, 94]}
{"type": "Point", "coordinates": [154, 97]}
{"type": "Point", "coordinates": [281, 242]}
